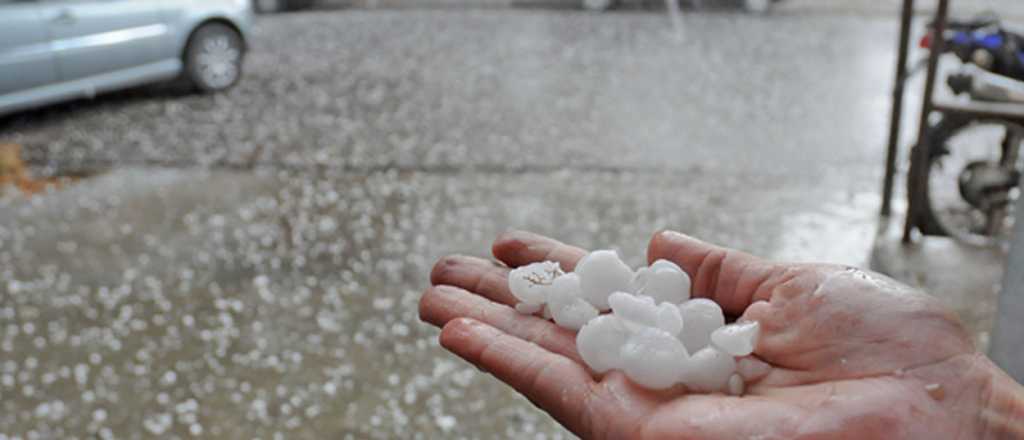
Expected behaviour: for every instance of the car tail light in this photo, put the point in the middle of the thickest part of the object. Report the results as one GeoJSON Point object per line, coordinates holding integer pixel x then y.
{"type": "Point", "coordinates": [926, 41]}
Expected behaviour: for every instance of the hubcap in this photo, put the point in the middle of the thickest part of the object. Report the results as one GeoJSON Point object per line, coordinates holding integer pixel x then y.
{"type": "Point", "coordinates": [218, 62]}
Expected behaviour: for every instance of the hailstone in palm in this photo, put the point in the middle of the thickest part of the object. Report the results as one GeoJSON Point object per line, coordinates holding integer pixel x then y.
{"type": "Point", "coordinates": [600, 340]}
{"type": "Point", "coordinates": [531, 284]}
{"type": "Point", "coordinates": [709, 370]}
{"type": "Point", "coordinates": [601, 274]}
{"type": "Point", "coordinates": [701, 316]}
{"type": "Point", "coordinates": [652, 357]}
{"type": "Point", "coordinates": [664, 281]}
{"type": "Point", "coordinates": [654, 333]}
{"type": "Point", "coordinates": [567, 306]}
{"type": "Point", "coordinates": [736, 339]}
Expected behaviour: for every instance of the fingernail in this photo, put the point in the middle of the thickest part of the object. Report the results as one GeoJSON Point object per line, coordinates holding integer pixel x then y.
{"type": "Point", "coordinates": [446, 289]}
{"type": "Point", "coordinates": [675, 235]}
{"type": "Point", "coordinates": [455, 330]}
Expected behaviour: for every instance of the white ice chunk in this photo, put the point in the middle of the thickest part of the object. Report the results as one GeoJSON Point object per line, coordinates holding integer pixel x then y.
{"type": "Point", "coordinates": [600, 340]}
{"type": "Point", "coordinates": [528, 309]}
{"type": "Point", "coordinates": [664, 281]}
{"type": "Point", "coordinates": [669, 319]}
{"type": "Point", "coordinates": [638, 310]}
{"type": "Point", "coordinates": [653, 358]}
{"type": "Point", "coordinates": [567, 306]}
{"type": "Point", "coordinates": [701, 317]}
{"type": "Point", "coordinates": [640, 278]}
{"type": "Point", "coordinates": [565, 289]}
{"type": "Point", "coordinates": [573, 315]}
{"type": "Point", "coordinates": [602, 273]}
{"type": "Point", "coordinates": [709, 370]}
{"type": "Point", "coordinates": [736, 339]}
{"type": "Point", "coordinates": [665, 264]}
{"type": "Point", "coordinates": [531, 283]}
{"type": "Point", "coordinates": [736, 385]}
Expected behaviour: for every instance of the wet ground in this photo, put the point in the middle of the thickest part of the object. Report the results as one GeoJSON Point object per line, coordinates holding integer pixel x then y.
{"type": "Point", "coordinates": [249, 264]}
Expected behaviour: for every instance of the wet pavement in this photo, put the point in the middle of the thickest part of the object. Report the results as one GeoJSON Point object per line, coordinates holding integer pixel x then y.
{"type": "Point", "coordinates": [250, 266]}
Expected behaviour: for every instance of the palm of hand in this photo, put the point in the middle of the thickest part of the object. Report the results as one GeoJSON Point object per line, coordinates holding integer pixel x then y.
{"type": "Point", "coordinates": [851, 354]}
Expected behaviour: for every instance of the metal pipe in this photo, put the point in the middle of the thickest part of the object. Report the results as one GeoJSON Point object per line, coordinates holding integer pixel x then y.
{"type": "Point", "coordinates": [919, 154]}
{"type": "Point", "coordinates": [1009, 327]}
{"type": "Point", "coordinates": [896, 117]}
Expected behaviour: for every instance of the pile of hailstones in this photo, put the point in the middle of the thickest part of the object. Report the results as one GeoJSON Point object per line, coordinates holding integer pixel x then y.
{"type": "Point", "coordinates": [655, 333]}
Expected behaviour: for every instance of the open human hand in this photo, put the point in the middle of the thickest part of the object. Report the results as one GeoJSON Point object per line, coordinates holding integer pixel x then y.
{"type": "Point", "coordinates": [843, 353]}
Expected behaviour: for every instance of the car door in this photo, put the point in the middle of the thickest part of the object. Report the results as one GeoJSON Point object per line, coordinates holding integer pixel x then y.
{"type": "Point", "coordinates": [25, 57]}
{"type": "Point", "coordinates": [93, 37]}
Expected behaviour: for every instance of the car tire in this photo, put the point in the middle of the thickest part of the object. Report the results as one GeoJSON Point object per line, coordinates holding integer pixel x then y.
{"type": "Point", "coordinates": [271, 6]}
{"type": "Point", "coordinates": [598, 5]}
{"type": "Point", "coordinates": [757, 6]}
{"type": "Point", "coordinates": [213, 57]}
{"type": "Point", "coordinates": [268, 6]}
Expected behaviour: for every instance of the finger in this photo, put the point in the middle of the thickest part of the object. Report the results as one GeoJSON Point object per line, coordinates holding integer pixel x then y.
{"type": "Point", "coordinates": [729, 277]}
{"type": "Point", "coordinates": [554, 383]}
{"type": "Point", "coordinates": [443, 304]}
{"type": "Point", "coordinates": [519, 248]}
{"type": "Point", "coordinates": [475, 275]}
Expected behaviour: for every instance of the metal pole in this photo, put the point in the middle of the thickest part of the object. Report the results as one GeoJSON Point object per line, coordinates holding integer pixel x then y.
{"type": "Point", "coordinates": [920, 153]}
{"type": "Point", "coordinates": [896, 117]}
{"type": "Point", "coordinates": [1009, 328]}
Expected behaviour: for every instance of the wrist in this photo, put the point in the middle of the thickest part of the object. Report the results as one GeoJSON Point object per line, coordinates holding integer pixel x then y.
{"type": "Point", "coordinates": [1002, 414]}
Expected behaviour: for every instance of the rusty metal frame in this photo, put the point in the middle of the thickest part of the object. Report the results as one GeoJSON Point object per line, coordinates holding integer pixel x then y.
{"type": "Point", "coordinates": [895, 118]}
{"type": "Point", "coordinates": [980, 110]}
{"type": "Point", "coordinates": [919, 154]}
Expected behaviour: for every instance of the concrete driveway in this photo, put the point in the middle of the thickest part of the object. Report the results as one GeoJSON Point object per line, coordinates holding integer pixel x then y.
{"type": "Point", "coordinates": [249, 264]}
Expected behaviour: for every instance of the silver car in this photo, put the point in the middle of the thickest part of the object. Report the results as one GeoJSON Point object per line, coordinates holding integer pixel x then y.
{"type": "Point", "coordinates": [55, 50]}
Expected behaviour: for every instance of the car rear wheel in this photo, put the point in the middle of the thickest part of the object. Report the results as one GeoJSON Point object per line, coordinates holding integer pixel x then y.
{"type": "Point", "coordinates": [268, 6]}
{"type": "Point", "coordinates": [757, 6]}
{"type": "Point", "coordinates": [213, 59]}
{"type": "Point", "coordinates": [598, 5]}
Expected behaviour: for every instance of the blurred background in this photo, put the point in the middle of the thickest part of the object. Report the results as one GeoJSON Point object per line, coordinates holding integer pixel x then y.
{"type": "Point", "coordinates": [217, 223]}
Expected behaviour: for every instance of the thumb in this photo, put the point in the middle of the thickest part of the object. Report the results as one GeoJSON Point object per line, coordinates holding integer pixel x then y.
{"type": "Point", "coordinates": [731, 278]}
